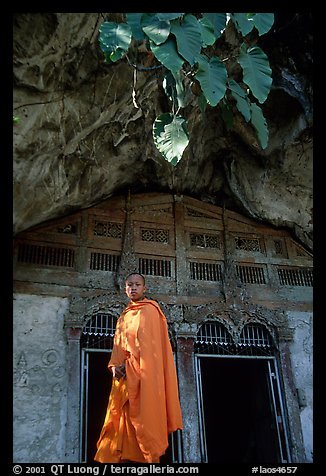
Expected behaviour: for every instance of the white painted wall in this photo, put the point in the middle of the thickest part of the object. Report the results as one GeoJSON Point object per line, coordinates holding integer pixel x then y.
{"type": "Point", "coordinates": [302, 365]}
{"type": "Point", "coordinates": [40, 378]}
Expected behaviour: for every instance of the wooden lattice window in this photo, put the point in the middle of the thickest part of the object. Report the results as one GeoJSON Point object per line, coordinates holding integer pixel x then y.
{"type": "Point", "coordinates": [153, 235]}
{"type": "Point", "coordinates": [68, 229]}
{"type": "Point", "coordinates": [155, 267]}
{"type": "Point", "coordinates": [44, 255]}
{"type": "Point", "coordinates": [295, 276]}
{"type": "Point", "coordinates": [278, 247]}
{"type": "Point", "coordinates": [248, 244]}
{"type": "Point", "coordinates": [251, 274]}
{"type": "Point", "coordinates": [104, 262]}
{"type": "Point", "coordinates": [205, 240]}
{"type": "Point", "coordinates": [205, 271]}
{"type": "Point", "coordinates": [107, 229]}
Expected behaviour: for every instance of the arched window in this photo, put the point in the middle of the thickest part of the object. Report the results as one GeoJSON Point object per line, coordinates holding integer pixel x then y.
{"type": "Point", "coordinates": [214, 338]}
{"type": "Point", "coordinates": [98, 332]}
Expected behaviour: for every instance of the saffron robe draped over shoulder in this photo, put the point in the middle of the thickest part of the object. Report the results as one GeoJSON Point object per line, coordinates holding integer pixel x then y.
{"type": "Point", "coordinates": [143, 408]}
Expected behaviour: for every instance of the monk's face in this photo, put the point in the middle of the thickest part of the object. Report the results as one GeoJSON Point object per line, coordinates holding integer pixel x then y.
{"type": "Point", "coordinates": [135, 287]}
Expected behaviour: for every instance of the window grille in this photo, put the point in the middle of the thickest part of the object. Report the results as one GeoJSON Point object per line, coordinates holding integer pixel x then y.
{"type": "Point", "coordinates": [214, 338]}
{"type": "Point", "coordinates": [295, 276]}
{"type": "Point", "coordinates": [205, 240]}
{"type": "Point", "coordinates": [205, 271]}
{"type": "Point", "coordinates": [251, 274]}
{"type": "Point", "coordinates": [159, 236]}
{"type": "Point", "coordinates": [155, 267]}
{"type": "Point", "coordinates": [98, 332]}
{"type": "Point", "coordinates": [107, 229]}
{"type": "Point", "coordinates": [43, 255]}
{"type": "Point", "coordinates": [104, 262]}
{"type": "Point", "coordinates": [69, 229]}
{"type": "Point", "coordinates": [278, 246]}
{"type": "Point", "coordinates": [248, 244]}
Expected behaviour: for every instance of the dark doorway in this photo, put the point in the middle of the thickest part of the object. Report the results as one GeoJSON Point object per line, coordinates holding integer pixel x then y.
{"type": "Point", "coordinates": [97, 386]}
{"type": "Point", "coordinates": [96, 390]}
{"type": "Point", "coordinates": [239, 419]}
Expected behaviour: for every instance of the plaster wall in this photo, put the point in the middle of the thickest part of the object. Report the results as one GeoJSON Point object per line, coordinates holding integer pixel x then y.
{"type": "Point", "coordinates": [40, 378]}
{"type": "Point", "coordinates": [302, 364]}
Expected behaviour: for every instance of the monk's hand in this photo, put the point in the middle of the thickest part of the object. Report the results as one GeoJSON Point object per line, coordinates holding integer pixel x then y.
{"type": "Point", "coordinates": [119, 371]}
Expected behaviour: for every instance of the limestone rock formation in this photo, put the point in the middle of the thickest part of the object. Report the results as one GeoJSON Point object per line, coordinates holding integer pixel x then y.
{"type": "Point", "coordinates": [85, 129]}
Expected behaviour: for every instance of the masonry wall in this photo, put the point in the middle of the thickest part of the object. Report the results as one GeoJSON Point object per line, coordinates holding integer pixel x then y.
{"type": "Point", "coordinates": [40, 379]}
{"type": "Point", "coordinates": [302, 365]}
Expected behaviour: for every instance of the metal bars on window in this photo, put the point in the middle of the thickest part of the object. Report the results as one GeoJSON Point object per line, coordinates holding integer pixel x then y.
{"type": "Point", "coordinates": [251, 274]}
{"type": "Point", "coordinates": [205, 271]}
{"type": "Point", "coordinates": [214, 338]}
{"type": "Point", "coordinates": [98, 332]}
{"type": "Point", "coordinates": [155, 267]}
{"type": "Point", "coordinates": [104, 262]}
{"type": "Point", "coordinates": [295, 276]}
{"type": "Point", "coordinates": [46, 255]}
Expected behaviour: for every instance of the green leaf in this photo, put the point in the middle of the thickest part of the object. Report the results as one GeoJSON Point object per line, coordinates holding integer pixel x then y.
{"type": "Point", "coordinates": [174, 88]}
{"type": "Point", "coordinates": [259, 122]}
{"type": "Point", "coordinates": [243, 22]}
{"type": "Point", "coordinates": [168, 55]}
{"type": "Point", "coordinates": [242, 101]}
{"type": "Point", "coordinates": [212, 76]}
{"type": "Point", "coordinates": [157, 30]}
{"type": "Point", "coordinates": [169, 16]}
{"type": "Point", "coordinates": [115, 39]}
{"type": "Point", "coordinates": [188, 37]}
{"type": "Point", "coordinates": [207, 32]}
{"type": "Point", "coordinates": [170, 136]}
{"type": "Point", "coordinates": [257, 73]}
{"type": "Point", "coordinates": [134, 21]}
{"type": "Point", "coordinates": [218, 20]}
{"type": "Point", "coordinates": [263, 22]}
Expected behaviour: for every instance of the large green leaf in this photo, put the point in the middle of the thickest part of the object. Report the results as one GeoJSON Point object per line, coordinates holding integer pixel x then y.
{"type": "Point", "coordinates": [174, 88]}
{"type": "Point", "coordinates": [157, 30]}
{"type": "Point", "coordinates": [212, 76]}
{"type": "Point", "coordinates": [169, 16]}
{"type": "Point", "coordinates": [134, 21]}
{"type": "Point", "coordinates": [170, 136]}
{"type": "Point", "coordinates": [263, 22]}
{"type": "Point", "coordinates": [243, 22]}
{"type": "Point", "coordinates": [207, 32]}
{"type": "Point", "coordinates": [168, 55]}
{"type": "Point", "coordinates": [242, 101]}
{"type": "Point", "coordinates": [188, 37]}
{"type": "Point", "coordinates": [218, 20]}
{"type": "Point", "coordinates": [114, 39]}
{"type": "Point", "coordinates": [259, 122]}
{"type": "Point", "coordinates": [257, 73]}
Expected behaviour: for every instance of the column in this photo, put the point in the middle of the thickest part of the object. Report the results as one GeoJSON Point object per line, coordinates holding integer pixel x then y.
{"type": "Point", "coordinates": [188, 399]}
{"type": "Point", "coordinates": [73, 395]}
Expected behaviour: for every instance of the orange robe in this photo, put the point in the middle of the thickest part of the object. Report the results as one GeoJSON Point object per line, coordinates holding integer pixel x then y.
{"type": "Point", "coordinates": [143, 408]}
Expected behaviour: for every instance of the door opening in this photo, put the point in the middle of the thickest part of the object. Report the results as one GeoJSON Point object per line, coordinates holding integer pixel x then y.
{"type": "Point", "coordinates": [239, 397]}
{"type": "Point", "coordinates": [238, 417]}
{"type": "Point", "coordinates": [95, 390]}
{"type": "Point", "coordinates": [96, 381]}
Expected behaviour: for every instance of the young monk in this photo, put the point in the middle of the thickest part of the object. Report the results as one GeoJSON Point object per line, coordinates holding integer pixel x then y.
{"type": "Point", "coordinates": [144, 403]}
